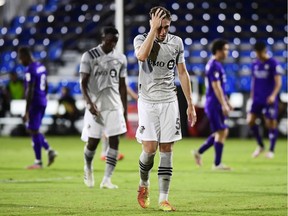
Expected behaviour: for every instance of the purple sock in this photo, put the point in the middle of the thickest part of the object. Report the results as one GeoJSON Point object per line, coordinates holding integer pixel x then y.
{"type": "Point", "coordinates": [44, 142]}
{"type": "Point", "coordinates": [256, 133]}
{"type": "Point", "coordinates": [36, 139]}
{"type": "Point", "coordinates": [273, 134]}
{"type": "Point", "coordinates": [218, 152]}
{"type": "Point", "coordinates": [209, 142]}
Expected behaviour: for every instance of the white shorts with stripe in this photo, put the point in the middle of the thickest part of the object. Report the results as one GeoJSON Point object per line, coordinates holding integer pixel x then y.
{"type": "Point", "coordinates": [158, 122]}
{"type": "Point", "coordinates": [110, 122]}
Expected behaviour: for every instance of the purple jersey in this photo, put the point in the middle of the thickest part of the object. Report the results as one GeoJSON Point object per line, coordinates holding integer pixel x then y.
{"type": "Point", "coordinates": [36, 75]}
{"type": "Point", "coordinates": [214, 71]}
{"type": "Point", "coordinates": [263, 74]}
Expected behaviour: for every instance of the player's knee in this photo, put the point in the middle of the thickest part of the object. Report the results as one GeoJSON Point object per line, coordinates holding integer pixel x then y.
{"type": "Point", "coordinates": [92, 144]}
{"type": "Point", "coordinates": [33, 132]}
{"type": "Point", "coordinates": [166, 147]}
{"type": "Point", "coordinates": [114, 142]}
{"type": "Point", "coordinates": [150, 146]}
{"type": "Point", "coordinates": [250, 121]}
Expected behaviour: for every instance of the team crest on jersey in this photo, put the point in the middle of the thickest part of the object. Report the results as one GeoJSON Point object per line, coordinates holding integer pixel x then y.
{"type": "Point", "coordinates": [216, 74]}
{"type": "Point", "coordinates": [266, 66]}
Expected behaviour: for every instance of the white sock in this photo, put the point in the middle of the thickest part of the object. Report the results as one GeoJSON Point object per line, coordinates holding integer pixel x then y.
{"type": "Point", "coordinates": [163, 197]}
{"type": "Point", "coordinates": [111, 161]}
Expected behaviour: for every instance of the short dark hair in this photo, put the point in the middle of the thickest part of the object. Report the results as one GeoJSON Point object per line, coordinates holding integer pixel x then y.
{"type": "Point", "coordinates": [25, 50]}
{"type": "Point", "coordinates": [167, 12]}
{"type": "Point", "coordinates": [109, 30]}
{"type": "Point", "coordinates": [259, 46]}
{"type": "Point", "coordinates": [218, 44]}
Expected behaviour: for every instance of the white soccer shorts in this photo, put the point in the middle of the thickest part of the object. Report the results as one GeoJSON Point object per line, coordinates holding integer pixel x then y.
{"type": "Point", "coordinates": [111, 123]}
{"type": "Point", "coordinates": [158, 122]}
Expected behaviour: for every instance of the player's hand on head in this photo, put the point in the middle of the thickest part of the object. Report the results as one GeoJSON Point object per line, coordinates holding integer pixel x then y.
{"type": "Point", "coordinates": [191, 114]}
{"type": "Point", "coordinates": [155, 21]}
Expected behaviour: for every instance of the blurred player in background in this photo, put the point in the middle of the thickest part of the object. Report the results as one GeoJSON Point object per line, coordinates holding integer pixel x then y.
{"type": "Point", "coordinates": [36, 101]}
{"type": "Point", "coordinates": [102, 77]}
{"type": "Point", "coordinates": [105, 141]}
{"type": "Point", "coordinates": [217, 106]}
{"type": "Point", "coordinates": [265, 87]}
{"type": "Point", "coordinates": [158, 52]}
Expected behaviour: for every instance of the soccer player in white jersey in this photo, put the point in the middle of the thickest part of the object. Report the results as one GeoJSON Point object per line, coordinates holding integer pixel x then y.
{"type": "Point", "coordinates": [102, 77]}
{"type": "Point", "coordinates": [158, 52]}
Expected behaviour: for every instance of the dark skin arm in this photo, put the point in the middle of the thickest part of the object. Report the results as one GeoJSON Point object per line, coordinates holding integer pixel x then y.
{"type": "Point", "coordinates": [29, 97]}
{"type": "Point", "coordinates": [84, 87]}
{"type": "Point", "coordinates": [123, 94]}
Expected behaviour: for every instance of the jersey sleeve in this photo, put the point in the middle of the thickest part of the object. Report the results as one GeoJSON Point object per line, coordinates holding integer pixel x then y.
{"type": "Point", "coordinates": [85, 64]}
{"type": "Point", "coordinates": [29, 75]}
{"type": "Point", "coordinates": [214, 74]}
{"type": "Point", "coordinates": [277, 69]}
{"type": "Point", "coordinates": [180, 57]}
{"type": "Point", "coordinates": [123, 70]}
{"type": "Point", "coordinates": [138, 40]}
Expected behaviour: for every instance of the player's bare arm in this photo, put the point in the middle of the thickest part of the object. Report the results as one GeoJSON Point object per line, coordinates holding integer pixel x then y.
{"type": "Point", "coordinates": [29, 97]}
{"type": "Point", "coordinates": [84, 87]}
{"type": "Point", "coordinates": [216, 85]}
{"type": "Point", "coordinates": [277, 87]}
{"type": "Point", "coordinates": [144, 50]}
{"type": "Point", "coordinates": [123, 94]}
{"type": "Point", "coordinates": [186, 87]}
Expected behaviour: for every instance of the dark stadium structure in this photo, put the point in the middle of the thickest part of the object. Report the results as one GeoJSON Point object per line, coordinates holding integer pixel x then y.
{"type": "Point", "coordinates": [52, 27]}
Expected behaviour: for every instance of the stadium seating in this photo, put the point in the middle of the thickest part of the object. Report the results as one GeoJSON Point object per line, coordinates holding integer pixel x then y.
{"type": "Point", "coordinates": [55, 26]}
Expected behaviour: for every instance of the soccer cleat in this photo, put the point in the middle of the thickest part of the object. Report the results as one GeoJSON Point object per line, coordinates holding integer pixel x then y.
{"type": "Point", "coordinates": [120, 156]}
{"type": "Point", "coordinates": [257, 152]}
{"type": "Point", "coordinates": [51, 157]}
{"type": "Point", "coordinates": [108, 185]}
{"type": "Point", "coordinates": [88, 177]}
{"type": "Point", "coordinates": [197, 157]}
{"type": "Point", "coordinates": [269, 155]}
{"type": "Point", "coordinates": [166, 206]}
{"type": "Point", "coordinates": [143, 197]}
{"type": "Point", "coordinates": [34, 166]}
{"type": "Point", "coordinates": [221, 167]}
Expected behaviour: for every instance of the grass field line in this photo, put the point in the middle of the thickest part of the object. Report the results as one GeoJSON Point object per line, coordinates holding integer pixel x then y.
{"type": "Point", "coordinates": [36, 180]}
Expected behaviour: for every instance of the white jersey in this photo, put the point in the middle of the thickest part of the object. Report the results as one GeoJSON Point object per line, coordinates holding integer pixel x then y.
{"type": "Point", "coordinates": [105, 71]}
{"type": "Point", "coordinates": [156, 78]}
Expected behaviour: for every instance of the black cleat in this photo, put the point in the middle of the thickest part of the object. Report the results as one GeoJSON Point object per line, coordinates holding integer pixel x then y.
{"type": "Point", "coordinates": [51, 157]}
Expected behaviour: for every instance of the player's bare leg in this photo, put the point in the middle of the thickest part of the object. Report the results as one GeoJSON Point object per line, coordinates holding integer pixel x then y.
{"type": "Point", "coordinates": [111, 161]}
{"type": "Point", "coordinates": [146, 162]}
{"type": "Point", "coordinates": [165, 170]}
{"type": "Point", "coordinates": [251, 120]}
{"type": "Point", "coordinates": [89, 152]}
{"type": "Point", "coordinates": [271, 124]}
{"type": "Point", "coordinates": [105, 146]}
{"type": "Point", "coordinates": [220, 137]}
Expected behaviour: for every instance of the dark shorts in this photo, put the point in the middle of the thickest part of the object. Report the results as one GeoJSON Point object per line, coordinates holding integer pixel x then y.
{"type": "Point", "coordinates": [216, 118]}
{"type": "Point", "coordinates": [270, 111]}
{"type": "Point", "coordinates": [36, 114]}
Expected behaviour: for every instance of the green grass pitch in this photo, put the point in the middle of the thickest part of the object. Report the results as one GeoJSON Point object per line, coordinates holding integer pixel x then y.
{"type": "Point", "coordinates": [254, 187]}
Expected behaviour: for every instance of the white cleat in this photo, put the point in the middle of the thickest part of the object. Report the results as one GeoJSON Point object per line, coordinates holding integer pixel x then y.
{"type": "Point", "coordinates": [108, 185]}
{"type": "Point", "coordinates": [197, 157]}
{"type": "Point", "coordinates": [257, 152]}
{"type": "Point", "coordinates": [221, 167]}
{"type": "Point", "coordinates": [88, 177]}
{"type": "Point", "coordinates": [269, 155]}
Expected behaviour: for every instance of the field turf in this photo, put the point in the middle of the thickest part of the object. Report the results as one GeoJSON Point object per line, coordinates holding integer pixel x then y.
{"type": "Point", "coordinates": [254, 187]}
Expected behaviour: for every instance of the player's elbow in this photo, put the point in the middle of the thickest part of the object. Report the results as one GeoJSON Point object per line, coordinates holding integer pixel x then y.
{"type": "Point", "coordinates": [141, 57]}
